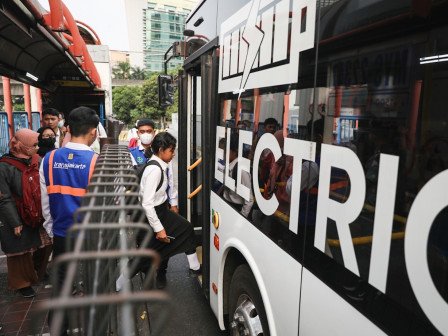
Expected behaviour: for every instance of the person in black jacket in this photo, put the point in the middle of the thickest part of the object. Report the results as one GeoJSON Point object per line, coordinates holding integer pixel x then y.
{"type": "Point", "coordinates": [21, 243]}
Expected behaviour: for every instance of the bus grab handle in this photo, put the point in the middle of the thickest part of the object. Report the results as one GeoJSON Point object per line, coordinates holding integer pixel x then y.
{"type": "Point", "coordinates": [194, 165]}
{"type": "Point", "coordinates": [195, 192]}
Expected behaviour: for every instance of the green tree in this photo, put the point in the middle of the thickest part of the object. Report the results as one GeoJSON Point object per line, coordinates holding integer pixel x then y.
{"type": "Point", "coordinates": [19, 107]}
{"type": "Point", "coordinates": [131, 103]}
{"type": "Point", "coordinates": [150, 100]}
{"type": "Point", "coordinates": [138, 73]}
{"type": "Point", "coordinates": [122, 70]}
{"type": "Point", "coordinates": [126, 102]}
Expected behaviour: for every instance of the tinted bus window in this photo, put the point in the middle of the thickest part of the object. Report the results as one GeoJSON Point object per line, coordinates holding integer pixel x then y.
{"type": "Point", "coordinates": [276, 111]}
{"type": "Point", "coordinates": [384, 113]}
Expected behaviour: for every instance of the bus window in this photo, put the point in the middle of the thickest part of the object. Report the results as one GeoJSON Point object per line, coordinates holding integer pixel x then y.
{"type": "Point", "coordinates": [260, 113]}
{"type": "Point", "coordinates": [385, 114]}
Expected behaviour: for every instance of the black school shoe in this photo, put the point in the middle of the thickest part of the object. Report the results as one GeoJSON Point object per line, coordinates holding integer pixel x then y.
{"type": "Point", "coordinates": [161, 280]}
{"type": "Point", "coordinates": [27, 292]}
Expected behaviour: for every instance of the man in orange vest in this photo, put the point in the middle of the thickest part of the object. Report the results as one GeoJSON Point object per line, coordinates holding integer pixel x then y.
{"type": "Point", "coordinates": [64, 177]}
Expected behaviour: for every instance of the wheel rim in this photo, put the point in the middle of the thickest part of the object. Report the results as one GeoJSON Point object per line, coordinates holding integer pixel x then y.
{"type": "Point", "coordinates": [246, 320]}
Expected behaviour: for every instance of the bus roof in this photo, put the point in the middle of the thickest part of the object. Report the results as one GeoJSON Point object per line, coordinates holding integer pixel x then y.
{"type": "Point", "coordinates": [35, 55]}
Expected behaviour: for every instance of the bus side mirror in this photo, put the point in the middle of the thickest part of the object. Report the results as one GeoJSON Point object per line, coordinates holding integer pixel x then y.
{"type": "Point", "coordinates": [166, 90]}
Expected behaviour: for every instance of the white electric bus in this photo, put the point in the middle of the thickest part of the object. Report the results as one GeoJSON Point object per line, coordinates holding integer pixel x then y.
{"type": "Point", "coordinates": [315, 134]}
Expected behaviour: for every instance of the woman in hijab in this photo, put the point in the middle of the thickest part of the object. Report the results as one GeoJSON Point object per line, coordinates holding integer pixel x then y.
{"type": "Point", "coordinates": [23, 245]}
{"type": "Point", "coordinates": [47, 140]}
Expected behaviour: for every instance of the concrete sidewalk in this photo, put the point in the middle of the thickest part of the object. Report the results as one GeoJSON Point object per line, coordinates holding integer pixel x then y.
{"type": "Point", "coordinates": [16, 312]}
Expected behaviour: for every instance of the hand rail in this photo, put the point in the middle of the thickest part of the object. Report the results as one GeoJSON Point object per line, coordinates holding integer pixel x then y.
{"type": "Point", "coordinates": [363, 240]}
{"type": "Point", "coordinates": [195, 192]}
{"type": "Point", "coordinates": [194, 165]}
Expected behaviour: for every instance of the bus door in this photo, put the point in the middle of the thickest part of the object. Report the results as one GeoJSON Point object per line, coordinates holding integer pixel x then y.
{"type": "Point", "coordinates": [190, 147]}
{"type": "Point", "coordinates": [198, 89]}
{"type": "Point", "coordinates": [194, 157]}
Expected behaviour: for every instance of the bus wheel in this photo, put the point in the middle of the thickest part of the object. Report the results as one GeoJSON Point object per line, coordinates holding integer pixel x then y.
{"type": "Point", "coordinates": [246, 310]}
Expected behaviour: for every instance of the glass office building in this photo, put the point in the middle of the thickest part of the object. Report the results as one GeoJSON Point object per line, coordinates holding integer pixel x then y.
{"type": "Point", "coordinates": [162, 25]}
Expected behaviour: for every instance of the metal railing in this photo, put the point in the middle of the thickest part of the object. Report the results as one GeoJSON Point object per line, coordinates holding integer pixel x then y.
{"type": "Point", "coordinates": [4, 133]}
{"type": "Point", "coordinates": [101, 247]}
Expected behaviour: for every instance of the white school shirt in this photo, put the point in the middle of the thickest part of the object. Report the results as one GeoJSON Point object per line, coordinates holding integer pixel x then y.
{"type": "Point", "coordinates": [151, 198]}
{"type": "Point", "coordinates": [172, 191]}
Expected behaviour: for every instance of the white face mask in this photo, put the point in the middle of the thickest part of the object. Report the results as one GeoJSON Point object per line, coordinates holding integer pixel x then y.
{"type": "Point", "coordinates": [146, 138]}
{"type": "Point", "coordinates": [61, 123]}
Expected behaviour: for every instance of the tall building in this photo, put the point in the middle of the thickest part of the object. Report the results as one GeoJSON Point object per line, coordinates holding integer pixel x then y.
{"type": "Point", "coordinates": [153, 25]}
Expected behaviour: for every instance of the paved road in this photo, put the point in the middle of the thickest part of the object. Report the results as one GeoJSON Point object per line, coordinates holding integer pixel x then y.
{"type": "Point", "coordinates": [191, 314]}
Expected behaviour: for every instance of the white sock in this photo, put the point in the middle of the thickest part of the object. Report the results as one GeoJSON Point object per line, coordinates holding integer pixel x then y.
{"type": "Point", "coordinates": [193, 261]}
{"type": "Point", "coordinates": [121, 281]}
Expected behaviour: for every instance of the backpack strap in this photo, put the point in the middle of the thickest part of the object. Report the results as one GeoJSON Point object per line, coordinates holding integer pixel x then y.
{"type": "Point", "coordinates": [16, 163]}
{"type": "Point", "coordinates": [50, 168]}
{"type": "Point", "coordinates": [155, 163]}
{"type": "Point", "coordinates": [35, 161]}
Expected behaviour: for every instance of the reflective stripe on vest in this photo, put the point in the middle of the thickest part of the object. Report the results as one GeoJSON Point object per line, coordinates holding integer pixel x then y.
{"type": "Point", "coordinates": [67, 190]}
{"type": "Point", "coordinates": [92, 166]}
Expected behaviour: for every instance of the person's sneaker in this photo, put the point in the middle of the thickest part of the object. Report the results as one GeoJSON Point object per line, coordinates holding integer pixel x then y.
{"type": "Point", "coordinates": [196, 272]}
{"type": "Point", "coordinates": [27, 292]}
{"type": "Point", "coordinates": [161, 280]}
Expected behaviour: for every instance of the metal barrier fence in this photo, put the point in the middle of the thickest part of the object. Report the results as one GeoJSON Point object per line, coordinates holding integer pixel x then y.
{"type": "Point", "coordinates": [20, 120]}
{"type": "Point", "coordinates": [4, 133]}
{"type": "Point", "coordinates": [102, 246]}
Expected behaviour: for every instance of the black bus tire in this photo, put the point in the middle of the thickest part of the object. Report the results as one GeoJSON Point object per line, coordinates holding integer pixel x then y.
{"type": "Point", "coordinates": [245, 301]}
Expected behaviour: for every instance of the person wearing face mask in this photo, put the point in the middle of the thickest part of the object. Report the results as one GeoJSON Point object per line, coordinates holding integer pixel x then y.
{"type": "Point", "coordinates": [47, 139]}
{"type": "Point", "coordinates": [140, 156]}
{"type": "Point", "coordinates": [51, 118]}
{"type": "Point", "coordinates": [145, 132]}
{"type": "Point", "coordinates": [20, 241]}
{"type": "Point", "coordinates": [173, 234]}
{"type": "Point", "coordinates": [61, 123]}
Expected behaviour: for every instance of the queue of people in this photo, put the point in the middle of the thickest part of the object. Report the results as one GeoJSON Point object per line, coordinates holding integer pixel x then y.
{"type": "Point", "coordinates": [28, 243]}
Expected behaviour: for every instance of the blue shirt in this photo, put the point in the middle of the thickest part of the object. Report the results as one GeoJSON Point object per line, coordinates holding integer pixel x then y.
{"type": "Point", "coordinates": [138, 153]}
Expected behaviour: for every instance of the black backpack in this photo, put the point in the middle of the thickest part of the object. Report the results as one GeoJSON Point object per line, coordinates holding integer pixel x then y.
{"type": "Point", "coordinates": [141, 168]}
